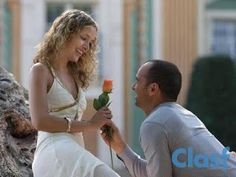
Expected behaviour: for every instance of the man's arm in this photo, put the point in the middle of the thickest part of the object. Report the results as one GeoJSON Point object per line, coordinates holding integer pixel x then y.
{"type": "Point", "coordinates": [154, 142]}
{"type": "Point", "coordinates": [135, 165]}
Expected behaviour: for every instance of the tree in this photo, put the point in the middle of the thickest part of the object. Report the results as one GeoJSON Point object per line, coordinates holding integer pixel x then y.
{"type": "Point", "coordinates": [17, 136]}
{"type": "Point", "coordinates": [212, 96]}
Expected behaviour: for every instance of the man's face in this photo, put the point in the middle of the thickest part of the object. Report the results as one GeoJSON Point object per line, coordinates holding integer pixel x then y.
{"type": "Point", "coordinates": [140, 86]}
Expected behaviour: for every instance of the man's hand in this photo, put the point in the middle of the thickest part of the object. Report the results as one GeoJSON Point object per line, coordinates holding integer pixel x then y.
{"type": "Point", "coordinates": [117, 143]}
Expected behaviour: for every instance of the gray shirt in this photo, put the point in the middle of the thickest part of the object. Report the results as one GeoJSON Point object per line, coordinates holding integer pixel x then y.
{"type": "Point", "coordinates": [171, 131]}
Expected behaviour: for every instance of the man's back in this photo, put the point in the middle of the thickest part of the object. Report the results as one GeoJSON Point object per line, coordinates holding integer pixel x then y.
{"type": "Point", "coordinates": [194, 151]}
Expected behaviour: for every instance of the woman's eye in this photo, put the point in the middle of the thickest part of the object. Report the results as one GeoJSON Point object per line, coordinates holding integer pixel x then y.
{"type": "Point", "coordinates": [83, 38]}
{"type": "Point", "coordinates": [90, 45]}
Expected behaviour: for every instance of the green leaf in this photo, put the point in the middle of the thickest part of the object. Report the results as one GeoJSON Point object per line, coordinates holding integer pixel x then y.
{"type": "Point", "coordinates": [103, 99]}
{"type": "Point", "coordinates": [96, 104]}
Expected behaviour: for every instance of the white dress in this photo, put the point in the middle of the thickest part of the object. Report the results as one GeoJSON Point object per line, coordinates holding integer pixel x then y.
{"type": "Point", "coordinates": [63, 154]}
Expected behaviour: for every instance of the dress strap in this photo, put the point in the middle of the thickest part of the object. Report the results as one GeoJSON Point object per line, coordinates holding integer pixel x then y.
{"type": "Point", "coordinates": [51, 69]}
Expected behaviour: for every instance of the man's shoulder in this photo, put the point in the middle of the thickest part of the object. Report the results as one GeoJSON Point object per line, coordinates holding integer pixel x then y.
{"type": "Point", "coordinates": [163, 112]}
{"type": "Point", "coordinates": [168, 115]}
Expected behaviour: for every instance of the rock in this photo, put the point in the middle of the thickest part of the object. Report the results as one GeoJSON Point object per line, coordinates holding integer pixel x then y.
{"type": "Point", "coordinates": [17, 136]}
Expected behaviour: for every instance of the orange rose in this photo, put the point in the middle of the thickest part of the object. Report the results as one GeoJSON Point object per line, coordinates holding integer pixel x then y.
{"type": "Point", "coordinates": [98, 103]}
{"type": "Point", "coordinates": [107, 86]}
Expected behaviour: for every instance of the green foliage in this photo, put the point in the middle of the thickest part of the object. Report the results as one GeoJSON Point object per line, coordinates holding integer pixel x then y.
{"type": "Point", "coordinates": [102, 101]}
{"type": "Point", "coordinates": [103, 98]}
{"type": "Point", "coordinates": [96, 104]}
{"type": "Point", "coordinates": [212, 96]}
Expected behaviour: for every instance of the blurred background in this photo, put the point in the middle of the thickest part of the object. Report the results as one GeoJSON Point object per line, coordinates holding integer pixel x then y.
{"type": "Point", "coordinates": [186, 32]}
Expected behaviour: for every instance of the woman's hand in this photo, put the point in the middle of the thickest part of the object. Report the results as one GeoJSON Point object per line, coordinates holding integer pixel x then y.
{"type": "Point", "coordinates": [101, 117]}
{"type": "Point", "coordinates": [117, 143]}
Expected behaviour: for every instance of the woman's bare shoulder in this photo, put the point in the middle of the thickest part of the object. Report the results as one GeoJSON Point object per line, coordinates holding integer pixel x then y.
{"type": "Point", "coordinates": [40, 70]}
{"type": "Point", "coordinates": [40, 74]}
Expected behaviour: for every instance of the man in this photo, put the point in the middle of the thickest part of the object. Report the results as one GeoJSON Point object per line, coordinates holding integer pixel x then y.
{"type": "Point", "coordinates": [175, 142]}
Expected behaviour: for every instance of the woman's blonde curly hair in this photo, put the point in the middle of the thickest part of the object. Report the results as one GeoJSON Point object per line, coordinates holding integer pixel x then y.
{"type": "Point", "coordinates": [63, 28]}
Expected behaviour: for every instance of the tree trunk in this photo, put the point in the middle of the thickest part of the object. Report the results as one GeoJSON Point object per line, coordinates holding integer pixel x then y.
{"type": "Point", "coordinates": [17, 136]}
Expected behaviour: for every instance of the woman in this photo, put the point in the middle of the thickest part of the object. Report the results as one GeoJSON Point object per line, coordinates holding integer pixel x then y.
{"type": "Point", "coordinates": [63, 66]}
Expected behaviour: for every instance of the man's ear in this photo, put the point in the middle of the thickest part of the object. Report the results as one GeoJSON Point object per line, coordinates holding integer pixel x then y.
{"type": "Point", "coordinates": [154, 89]}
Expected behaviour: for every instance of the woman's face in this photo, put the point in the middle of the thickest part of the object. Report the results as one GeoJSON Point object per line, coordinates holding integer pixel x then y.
{"type": "Point", "coordinates": [80, 43]}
